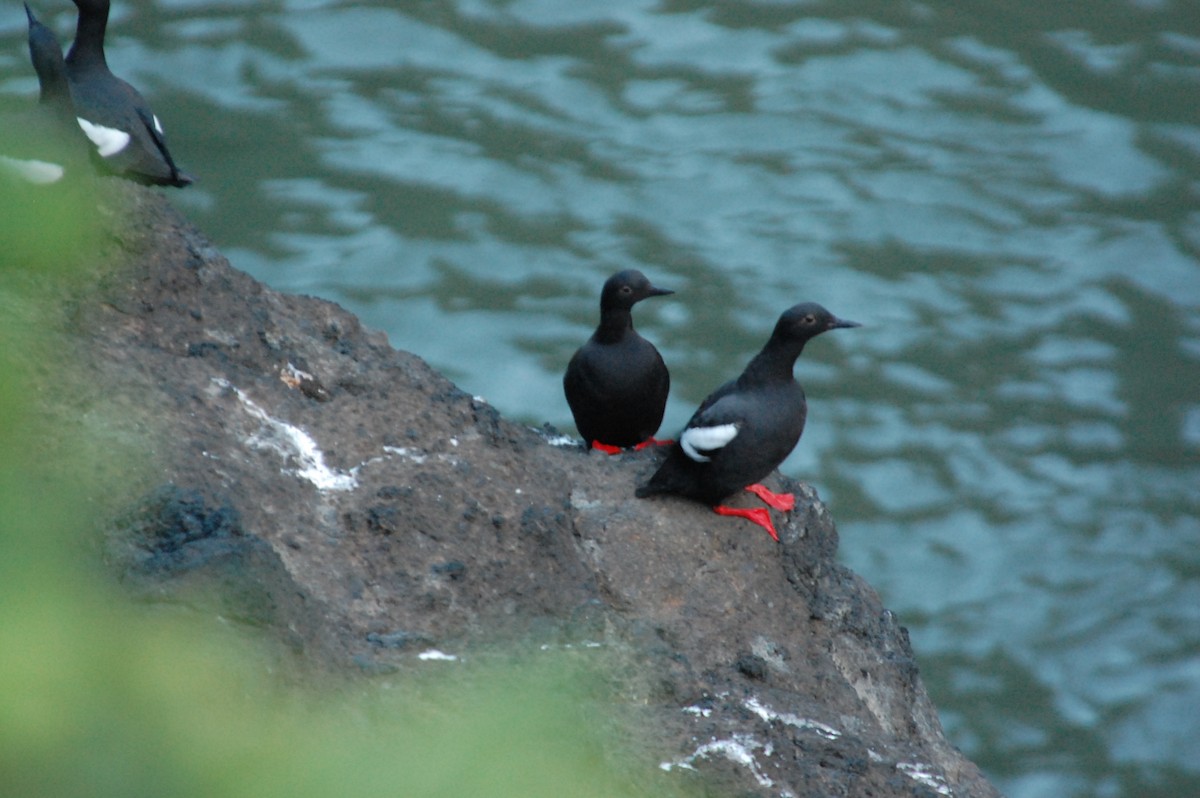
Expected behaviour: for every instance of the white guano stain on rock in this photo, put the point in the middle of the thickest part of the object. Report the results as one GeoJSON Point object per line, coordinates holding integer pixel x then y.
{"type": "Point", "coordinates": [738, 749]}
{"type": "Point", "coordinates": [768, 714]}
{"type": "Point", "coordinates": [292, 444]}
{"type": "Point", "coordinates": [741, 748]}
{"type": "Point", "coordinates": [924, 774]}
{"type": "Point", "coordinates": [408, 454]}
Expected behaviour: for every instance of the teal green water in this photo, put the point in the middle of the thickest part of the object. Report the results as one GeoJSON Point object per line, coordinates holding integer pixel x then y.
{"type": "Point", "coordinates": [1006, 194]}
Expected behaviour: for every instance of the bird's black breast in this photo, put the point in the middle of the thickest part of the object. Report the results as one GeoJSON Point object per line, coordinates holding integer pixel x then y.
{"type": "Point", "coordinates": [617, 391]}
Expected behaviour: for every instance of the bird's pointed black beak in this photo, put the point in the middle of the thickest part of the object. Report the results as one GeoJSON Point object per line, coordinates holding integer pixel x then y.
{"type": "Point", "coordinates": [656, 291]}
{"type": "Point", "coordinates": [842, 323]}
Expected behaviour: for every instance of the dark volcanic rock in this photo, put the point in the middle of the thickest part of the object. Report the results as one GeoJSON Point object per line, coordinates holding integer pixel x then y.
{"type": "Point", "coordinates": [352, 498]}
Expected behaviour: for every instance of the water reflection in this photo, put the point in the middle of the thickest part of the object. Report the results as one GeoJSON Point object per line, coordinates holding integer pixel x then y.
{"type": "Point", "coordinates": [1004, 193]}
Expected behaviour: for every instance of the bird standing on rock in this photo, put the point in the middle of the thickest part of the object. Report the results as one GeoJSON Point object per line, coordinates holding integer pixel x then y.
{"type": "Point", "coordinates": [45, 142]}
{"type": "Point", "coordinates": [129, 138]}
{"type": "Point", "coordinates": [747, 427]}
{"type": "Point", "coordinates": [617, 383]}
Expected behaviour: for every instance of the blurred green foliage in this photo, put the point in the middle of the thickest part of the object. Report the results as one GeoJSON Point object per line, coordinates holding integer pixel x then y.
{"type": "Point", "coordinates": [100, 696]}
{"type": "Point", "coordinates": [47, 228]}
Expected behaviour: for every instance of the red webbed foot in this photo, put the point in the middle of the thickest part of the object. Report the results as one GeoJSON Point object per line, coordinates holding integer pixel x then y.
{"type": "Point", "coordinates": [604, 447]}
{"type": "Point", "coordinates": [759, 515]}
{"type": "Point", "coordinates": [780, 501]}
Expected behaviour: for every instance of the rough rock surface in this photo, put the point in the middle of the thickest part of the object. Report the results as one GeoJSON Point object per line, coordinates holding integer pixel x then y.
{"type": "Point", "coordinates": [349, 497]}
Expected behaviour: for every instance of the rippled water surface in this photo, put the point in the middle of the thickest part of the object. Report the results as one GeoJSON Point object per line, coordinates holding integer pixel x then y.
{"type": "Point", "coordinates": [1007, 195]}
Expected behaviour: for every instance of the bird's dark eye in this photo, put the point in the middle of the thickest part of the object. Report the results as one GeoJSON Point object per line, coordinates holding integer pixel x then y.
{"type": "Point", "coordinates": [810, 319]}
{"type": "Point", "coordinates": [625, 289]}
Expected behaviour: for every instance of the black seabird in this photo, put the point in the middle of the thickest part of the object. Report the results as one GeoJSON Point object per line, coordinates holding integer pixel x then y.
{"type": "Point", "coordinates": [45, 53]}
{"type": "Point", "coordinates": [48, 142]}
{"type": "Point", "coordinates": [748, 426]}
{"type": "Point", "coordinates": [617, 383]}
{"type": "Point", "coordinates": [129, 138]}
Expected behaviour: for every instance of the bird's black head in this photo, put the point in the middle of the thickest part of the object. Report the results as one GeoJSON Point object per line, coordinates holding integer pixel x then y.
{"type": "Point", "coordinates": [808, 319]}
{"type": "Point", "coordinates": [626, 288]}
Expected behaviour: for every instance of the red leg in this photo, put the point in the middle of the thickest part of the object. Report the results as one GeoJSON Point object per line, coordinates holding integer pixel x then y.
{"type": "Point", "coordinates": [604, 447]}
{"type": "Point", "coordinates": [780, 501]}
{"type": "Point", "coordinates": [759, 515]}
{"type": "Point", "coordinates": [651, 442]}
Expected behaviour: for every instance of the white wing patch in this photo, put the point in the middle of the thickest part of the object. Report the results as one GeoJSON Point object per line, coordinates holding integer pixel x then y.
{"type": "Point", "coordinates": [158, 125]}
{"type": "Point", "coordinates": [33, 171]}
{"type": "Point", "coordinates": [108, 140]}
{"type": "Point", "coordinates": [695, 440]}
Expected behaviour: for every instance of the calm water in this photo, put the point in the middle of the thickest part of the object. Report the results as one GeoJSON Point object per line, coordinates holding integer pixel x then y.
{"type": "Point", "coordinates": [1005, 193]}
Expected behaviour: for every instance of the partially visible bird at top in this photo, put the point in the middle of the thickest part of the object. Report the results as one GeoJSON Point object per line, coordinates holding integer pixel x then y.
{"type": "Point", "coordinates": [617, 383]}
{"type": "Point", "coordinates": [128, 137]}
{"type": "Point", "coordinates": [748, 426]}
{"type": "Point", "coordinates": [45, 143]}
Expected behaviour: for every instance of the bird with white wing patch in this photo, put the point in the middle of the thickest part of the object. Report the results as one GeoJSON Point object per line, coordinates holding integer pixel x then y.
{"type": "Point", "coordinates": [748, 426]}
{"type": "Point", "coordinates": [128, 137]}
{"type": "Point", "coordinates": [43, 144]}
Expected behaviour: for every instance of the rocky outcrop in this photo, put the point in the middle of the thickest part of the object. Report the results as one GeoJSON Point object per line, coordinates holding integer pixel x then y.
{"type": "Point", "coordinates": [348, 497]}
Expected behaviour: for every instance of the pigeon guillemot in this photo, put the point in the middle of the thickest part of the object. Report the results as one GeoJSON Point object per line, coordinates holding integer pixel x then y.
{"type": "Point", "coordinates": [746, 428]}
{"type": "Point", "coordinates": [49, 143]}
{"type": "Point", "coordinates": [45, 53]}
{"type": "Point", "coordinates": [617, 383]}
{"type": "Point", "coordinates": [129, 138]}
